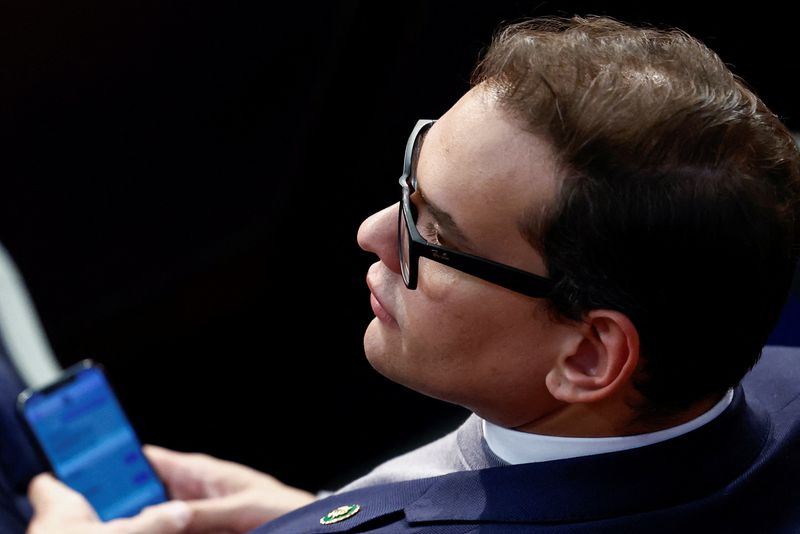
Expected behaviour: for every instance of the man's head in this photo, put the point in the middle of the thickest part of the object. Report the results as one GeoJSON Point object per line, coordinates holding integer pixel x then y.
{"type": "Point", "coordinates": [633, 169]}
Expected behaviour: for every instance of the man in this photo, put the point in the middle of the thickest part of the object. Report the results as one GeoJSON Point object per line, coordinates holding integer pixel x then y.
{"type": "Point", "coordinates": [592, 247]}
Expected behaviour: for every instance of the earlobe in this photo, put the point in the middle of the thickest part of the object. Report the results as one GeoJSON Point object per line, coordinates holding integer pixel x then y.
{"type": "Point", "coordinates": [600, 364]}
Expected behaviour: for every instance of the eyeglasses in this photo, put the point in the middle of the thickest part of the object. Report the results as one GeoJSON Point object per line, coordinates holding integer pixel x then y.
{"type": "Point", "coordinates": [411, 245]}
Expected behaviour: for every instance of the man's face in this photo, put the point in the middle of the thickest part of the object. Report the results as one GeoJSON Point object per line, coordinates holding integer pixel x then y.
{"type": "Point", "coordinates": [456, 337]}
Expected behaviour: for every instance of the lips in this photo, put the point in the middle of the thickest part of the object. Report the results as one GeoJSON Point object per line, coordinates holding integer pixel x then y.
{"type": "Point", "coordinates": [379, 311]}
{"type": "Point", "coordinates": [375, 301]}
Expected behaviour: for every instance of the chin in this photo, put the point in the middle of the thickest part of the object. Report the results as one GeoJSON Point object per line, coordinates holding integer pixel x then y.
{"type": "Point", "coordinates": [382, 337]}
{"type": "Point", "coordinates": [383, 364]}
{"type": "Point", "coordinates": [383, 354]}
{"type": "Point", "coordinates": [383, 349]}
{"type": "Point", "coordinates": [377, 346]}
{"type": "Point", "coordinates": [404, 376]}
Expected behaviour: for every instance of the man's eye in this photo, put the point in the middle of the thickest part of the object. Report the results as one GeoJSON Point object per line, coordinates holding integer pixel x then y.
{"type": "Point", "coordinates": [431, 233]}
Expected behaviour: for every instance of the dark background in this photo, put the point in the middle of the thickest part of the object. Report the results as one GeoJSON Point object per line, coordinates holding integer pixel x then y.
{"type": "Point", "coordinates": [182, 183]}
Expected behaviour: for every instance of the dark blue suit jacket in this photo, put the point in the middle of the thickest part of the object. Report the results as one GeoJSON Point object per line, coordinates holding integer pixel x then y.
{"type": "Point", "coordinates": [739, 473]}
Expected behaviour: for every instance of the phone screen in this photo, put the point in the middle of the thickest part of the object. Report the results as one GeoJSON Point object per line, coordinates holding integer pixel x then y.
{"type": "Point", "coordinates": [90, 444]}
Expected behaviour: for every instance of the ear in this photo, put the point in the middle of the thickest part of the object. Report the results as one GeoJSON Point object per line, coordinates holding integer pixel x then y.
{"type": "Point", "coordinates": [601, 363]}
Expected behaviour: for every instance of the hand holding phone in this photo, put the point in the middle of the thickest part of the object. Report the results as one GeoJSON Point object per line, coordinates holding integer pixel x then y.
{"type": "Point", "coordinates": [89, 443]}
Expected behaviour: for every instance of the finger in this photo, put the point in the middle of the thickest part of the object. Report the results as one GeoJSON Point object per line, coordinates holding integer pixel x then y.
{"type": "Point", "coordinates": [52, 498]}
{"type": "Point", "coordinates": [154, 452]}
{"type": "Point", "coordinates": [199, 476]}
{"type": "Point", "coordinates": [163, 458]}
{"type": "Point", "coordinates": [179, 471]}
{"type": "Point", "coordinates": [168, 518]}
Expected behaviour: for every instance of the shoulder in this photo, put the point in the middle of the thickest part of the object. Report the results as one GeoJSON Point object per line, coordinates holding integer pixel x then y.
{"type": "Point", "coordinates": [439, 457]}
{"type": "Point", "coordinates": [774, 382]}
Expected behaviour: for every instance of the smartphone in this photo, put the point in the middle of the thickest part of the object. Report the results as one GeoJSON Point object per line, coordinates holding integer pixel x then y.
{"type": "Point", "coordinates": [83, 433]}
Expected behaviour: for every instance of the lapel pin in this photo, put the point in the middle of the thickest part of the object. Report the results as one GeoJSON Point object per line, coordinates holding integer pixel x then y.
{"type": "Point", "coordinates": [340, 514]}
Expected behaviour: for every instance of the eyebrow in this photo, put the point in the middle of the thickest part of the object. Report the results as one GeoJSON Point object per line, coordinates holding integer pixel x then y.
{"type": "Point", "coordinates": [446, 221]}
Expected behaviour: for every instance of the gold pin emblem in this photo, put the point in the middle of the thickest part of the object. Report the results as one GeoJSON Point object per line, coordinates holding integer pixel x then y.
{"type": "Point", "coordinates": [340, 514]}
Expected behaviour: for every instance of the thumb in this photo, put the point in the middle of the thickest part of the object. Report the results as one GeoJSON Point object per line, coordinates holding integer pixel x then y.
{"type": "Point", "coordinates": [168, 518]}
{"type": "Point", "coordinates": [51, 498]}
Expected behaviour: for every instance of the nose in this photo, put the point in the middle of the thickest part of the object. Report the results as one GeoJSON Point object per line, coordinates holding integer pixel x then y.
{"type": "Point", "coordinates": [378, 234]}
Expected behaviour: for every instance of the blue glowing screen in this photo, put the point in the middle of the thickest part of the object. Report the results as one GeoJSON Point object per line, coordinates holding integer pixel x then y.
{"type": "Point", "coordinates": [92, 446]}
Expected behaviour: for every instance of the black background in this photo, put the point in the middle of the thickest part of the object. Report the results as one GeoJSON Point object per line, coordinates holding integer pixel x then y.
{"type": "Point", "coordinates": [182, 183]}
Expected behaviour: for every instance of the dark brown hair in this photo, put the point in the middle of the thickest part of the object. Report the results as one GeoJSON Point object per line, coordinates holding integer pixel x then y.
{"type": "Point", "coordinates": [679, 201]}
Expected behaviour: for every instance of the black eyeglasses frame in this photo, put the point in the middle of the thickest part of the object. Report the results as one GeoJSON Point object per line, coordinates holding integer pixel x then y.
{"type": "Point", "coordinates": [512, 278]}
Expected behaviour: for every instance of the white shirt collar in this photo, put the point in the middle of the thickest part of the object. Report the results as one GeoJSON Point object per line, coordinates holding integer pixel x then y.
{"type": "Point", "coordinates": [517, 447]}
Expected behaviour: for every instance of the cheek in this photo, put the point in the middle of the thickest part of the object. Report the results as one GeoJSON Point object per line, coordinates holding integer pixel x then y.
{"type": "Point", "coordinates": [455, 315]}
{"type": "Point", "coordinates": [459, 320]}
{"type": "Point", "coordinates": [438, 314]}
{"type": "Point", "coordinates": [440, 284]}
